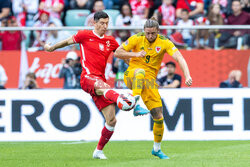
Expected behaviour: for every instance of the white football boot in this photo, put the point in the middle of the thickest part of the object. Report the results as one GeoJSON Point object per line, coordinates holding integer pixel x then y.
{"type": "Point", "coordinates": [98, 154]}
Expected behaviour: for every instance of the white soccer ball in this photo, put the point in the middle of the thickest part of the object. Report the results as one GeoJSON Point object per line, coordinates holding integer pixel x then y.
{"type": "Point", "coordinates": [126, 102]}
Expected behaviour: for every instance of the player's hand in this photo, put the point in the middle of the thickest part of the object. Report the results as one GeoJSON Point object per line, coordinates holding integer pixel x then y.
{"type": "Point", "coordinates": [140, 54]}
{"type": "Point", "coordinates": [188, 81]}
{"type": "Point", "coordinates": [48, 48]}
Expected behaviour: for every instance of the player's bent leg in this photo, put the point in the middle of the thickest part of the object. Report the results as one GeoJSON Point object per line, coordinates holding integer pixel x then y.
{"type": "Point", "coordinates": [107, 131]}
{"type": "Point", "coordinates": [138, 81]}
{"type": "Point", "coordinates": [158, 130]}
{"type": "Point", "coordinates": [124, 102]}
{"type": "Point", "coordinates": [137, 86]}
{"type": "Point", "coordinates": [138, 110]}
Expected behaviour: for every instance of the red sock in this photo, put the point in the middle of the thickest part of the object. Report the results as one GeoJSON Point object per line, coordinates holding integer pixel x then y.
{"type": "Point", "coordinates": [106, 135]}
{"type": "Point", "coordinates": [111, 95]}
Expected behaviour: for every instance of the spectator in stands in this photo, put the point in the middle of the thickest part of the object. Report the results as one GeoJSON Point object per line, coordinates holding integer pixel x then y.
{"type": "Point", "coordinates": [215, 17]}
{"type": "Point", "coordinates": [30, 81]}
{"type": "Point", "coordinates": [67, 71]}
{"type": "Point", "coordinates": [126, 18]}
{"type": "Point", "coordinates": [195, 8]}
{"type": "Point", "coordinates": [25, 10]}
{"type": "Point", "coordinates": [171, 79]}
{"type": "Point", "coordinates": [202, 36]}
{"type": "Point", "coordinates": [140, 8]}
{"type": "Point", "coordinates": [223, 4]}
{"type": "Point", "coordinates": [79, 4]}
{"type": "Point", "coordinates": [166, 13]}
{"type": "Point", "coordinates": [236, 38]}
{"type": "Point", "coordinates": [55, 36]}
{"type": "Point", "coordinates": [4, 9]}
{"type": "Point", "coordinates": [3, 77]}
{"type": "Point", "coordinates": [186, 33]}
{"type": "Point", "coordinates": [245, 5]}
{"type": "Point", "coordinates": [11, 40]}
{"type": "Point", "coordinates": [98, 6]}
{"type": "Point", "coordinates": [42, 35]}
{"type": "Point", "coordinates": [78, 72]}
{"type": "Point", "coordinates": [233, 80]}
{"type": "Point", "coordinates": [54, 7]}
{"type": "Point", "coordinates": [109, 4]}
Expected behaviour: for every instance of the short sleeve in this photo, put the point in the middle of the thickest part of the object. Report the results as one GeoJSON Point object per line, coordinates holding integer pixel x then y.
{"type": "Point", "coordinates": [116, 45]}
{"type": "Point", "coordinates": [79, 36]}
{"type": "Point", "coordinates": [130, 43]}
{"type": "Point", "coordinates": [171, 49]}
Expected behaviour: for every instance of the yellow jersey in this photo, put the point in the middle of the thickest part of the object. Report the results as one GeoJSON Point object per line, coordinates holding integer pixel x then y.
{"type": "Point", "coordinates": [151, 63]}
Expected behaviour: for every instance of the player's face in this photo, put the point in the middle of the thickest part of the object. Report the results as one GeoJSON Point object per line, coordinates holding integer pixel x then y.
{"type": "Point", "coordinates": [151, 34]}
{"type": "Point", "coordinates": [101, 26]}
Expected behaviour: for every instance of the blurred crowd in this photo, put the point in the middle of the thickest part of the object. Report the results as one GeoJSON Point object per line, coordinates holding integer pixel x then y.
{"type": "Point", "coordinates": [53, 13]}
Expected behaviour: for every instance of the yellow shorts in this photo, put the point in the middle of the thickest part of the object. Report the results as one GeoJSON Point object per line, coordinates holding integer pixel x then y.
{"type": "Point", "coordinates": [150, 94]}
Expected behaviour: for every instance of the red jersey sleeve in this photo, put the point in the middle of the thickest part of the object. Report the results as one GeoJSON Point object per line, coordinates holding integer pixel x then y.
{"type": "Point", "coordinates": [79, 36]}
{"type": "Point", "coordinates": [115, 45]}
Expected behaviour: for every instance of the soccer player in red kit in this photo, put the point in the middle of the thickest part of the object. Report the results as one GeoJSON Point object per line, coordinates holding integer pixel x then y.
{"type": "Point", "coordinates": [95, 50]}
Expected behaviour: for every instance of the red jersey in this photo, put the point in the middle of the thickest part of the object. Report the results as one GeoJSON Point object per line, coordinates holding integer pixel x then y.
{"type": "Point", "coordinates": [181, 4]}
{"type": "Point", "coordinates": [11, 40]}
{"type": "Point", "coordinates": [95, 51]}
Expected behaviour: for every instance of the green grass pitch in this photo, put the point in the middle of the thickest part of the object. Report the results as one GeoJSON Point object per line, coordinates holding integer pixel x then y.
{"type": "Point", "coordinates": [125, 153]}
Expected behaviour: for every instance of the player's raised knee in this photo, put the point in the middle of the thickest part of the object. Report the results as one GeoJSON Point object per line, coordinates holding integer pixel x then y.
{"type": "Point", "coordinates": [140, 71]}
{"type": "Point", "coordinates": [111, 122]}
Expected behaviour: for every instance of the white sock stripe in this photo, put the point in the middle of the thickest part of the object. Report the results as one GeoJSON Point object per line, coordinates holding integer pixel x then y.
{"type": "Point", "coordinates": [110, 128]}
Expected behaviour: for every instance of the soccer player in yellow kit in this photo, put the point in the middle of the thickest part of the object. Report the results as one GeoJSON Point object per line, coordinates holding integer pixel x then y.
{"type": "Point", "coordinates": [145, 51]}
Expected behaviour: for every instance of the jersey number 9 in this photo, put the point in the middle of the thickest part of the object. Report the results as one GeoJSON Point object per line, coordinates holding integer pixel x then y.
{"type": "Point", "coordinates": [147, 59]}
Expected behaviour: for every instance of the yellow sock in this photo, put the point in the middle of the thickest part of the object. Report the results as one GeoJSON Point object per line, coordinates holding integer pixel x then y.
{"type": "Point", "coordinates": [138, 82]}
{"type": "Point", "coordinates": [158, 129]}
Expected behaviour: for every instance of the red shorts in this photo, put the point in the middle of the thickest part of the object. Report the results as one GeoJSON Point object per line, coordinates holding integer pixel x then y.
{"type": "Point", "coordinates": [87, 83]}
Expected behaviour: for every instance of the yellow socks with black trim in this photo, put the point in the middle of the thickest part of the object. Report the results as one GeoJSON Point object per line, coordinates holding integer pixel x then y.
{"type": "Point", "coordinates": [158, 129]}
{"type": "Point", "coordinates": [138, 82]}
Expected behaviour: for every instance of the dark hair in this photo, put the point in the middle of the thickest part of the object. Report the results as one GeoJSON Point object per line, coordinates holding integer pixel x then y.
{"type": "Point", "coordinates": [185, 10]}
{"type": "Point", "coordinates": [100, 15]}
{"type": "Point", "coordinates": [126, 4]}
{"type": "Point", "coordinates": [152, 22]}
{"type": "Point", "coordinates": [31, 75]}
{"type": "Point", "coordinates": [236, 1]}
{"type": "Point", "coordinates": [171, 63]}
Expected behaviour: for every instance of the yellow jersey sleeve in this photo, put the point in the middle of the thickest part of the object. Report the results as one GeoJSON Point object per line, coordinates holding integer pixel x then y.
{"type": "Point", "coordinates": [170, 47]}
{"type": "Point", "coordinates": [130, 43]}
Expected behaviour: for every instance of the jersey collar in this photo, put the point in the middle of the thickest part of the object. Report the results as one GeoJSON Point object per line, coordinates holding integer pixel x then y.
{"type": "Point", "coordinates": [97, 35]}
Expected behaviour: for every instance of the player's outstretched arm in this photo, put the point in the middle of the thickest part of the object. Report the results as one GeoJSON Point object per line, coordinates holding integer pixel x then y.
{"type": "Point", "coordinates": [58, 45]}
{"type": "Point", "coordinates": [183, 64]}
{"type": "Point", "coordinates": [123, 54]}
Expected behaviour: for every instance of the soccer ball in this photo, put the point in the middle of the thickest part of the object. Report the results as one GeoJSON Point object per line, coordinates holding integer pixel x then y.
{"type": "Point", "coordinates": [126, 102]}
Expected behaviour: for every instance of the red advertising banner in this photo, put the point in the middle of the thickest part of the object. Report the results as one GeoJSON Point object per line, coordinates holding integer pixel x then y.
{"type": "Point", "coordinates": [207, 67]}
{"type": "Point", "coordinates": [210, 67]}
{"type": "Point", "coordinates": [10, 61]}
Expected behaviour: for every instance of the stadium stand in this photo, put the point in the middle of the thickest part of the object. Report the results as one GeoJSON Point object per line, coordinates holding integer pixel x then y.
{"type": "Point", "coordinates": [76, 17]}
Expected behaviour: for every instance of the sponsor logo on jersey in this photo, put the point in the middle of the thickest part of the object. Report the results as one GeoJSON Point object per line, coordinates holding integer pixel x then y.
{"type": "Point", "coordinates": [91, 39]}
{"type": "Point", "coordinates": [101, 47]}
{"type": "Point", "coordinates": [157, 49]}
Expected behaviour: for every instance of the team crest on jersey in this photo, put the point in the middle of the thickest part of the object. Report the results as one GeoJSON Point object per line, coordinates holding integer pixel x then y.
{"type": "Point", "coordinates": [157, 49]}
{"type": "Point", "coordinates": [101, 47]}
